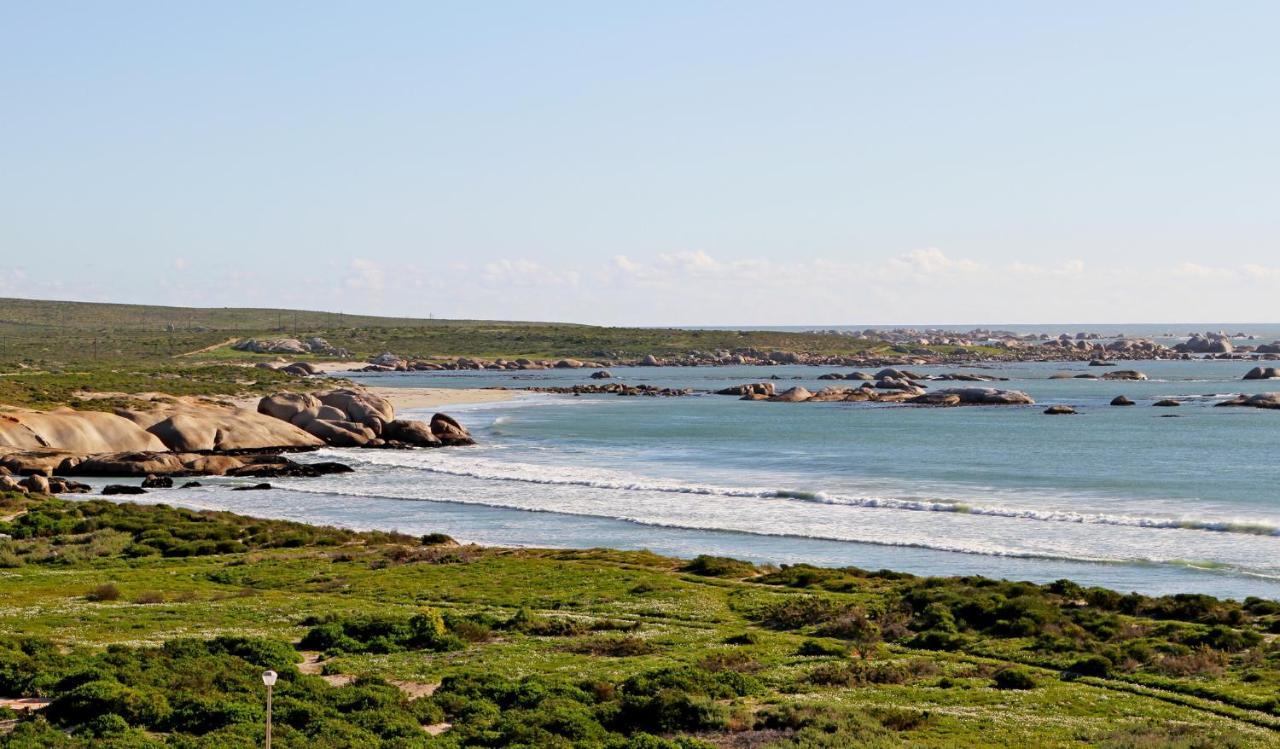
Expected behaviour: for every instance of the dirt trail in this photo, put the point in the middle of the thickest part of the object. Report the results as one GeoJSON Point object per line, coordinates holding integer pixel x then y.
{"type": "Point", "coordinates": [207, 349]}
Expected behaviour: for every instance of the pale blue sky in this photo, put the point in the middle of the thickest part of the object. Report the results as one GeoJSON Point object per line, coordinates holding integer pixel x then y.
{"type": "Point", "coordinates": [660, 162]}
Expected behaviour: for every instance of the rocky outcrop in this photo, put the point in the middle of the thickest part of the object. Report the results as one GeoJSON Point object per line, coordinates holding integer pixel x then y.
{"type": "Point", "coordinates": [1260, 400]}
{"type": "Point", "coordinates": [765, 389]}
{"type": "Point", "coordinates": [1124, 374]}
{"type": "Point", "coordinates": [1060, 410]}
{"type": "Point", "coordinates": [1167, 403]}
{"type": "Point", "coordinates": [988, 396]}
{"type": "Point", "coordinates": [794, 395]}
{"type": "Point", "coordinates": [318, 346]}
{"type": "Point", "coordinates": [1121, 400]}
{"type": "Point", "coordinates": [1263, 373]}
{"type": "Point", "coordinates": [73, 431]}
{"type": "Point", "coordinates": [186, 426]}
{"type": "Point", "coordinates": [602, 374]}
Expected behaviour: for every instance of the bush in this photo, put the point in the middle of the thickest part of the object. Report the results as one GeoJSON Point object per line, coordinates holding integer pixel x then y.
{"type": "Point", "coordinates": [709, 566]}
{"type": "Point", "coordinates": [820, 648]}
{"type": "Point", "coordinates": [104, 592]}
{"type": "Point", "coordinates": [1091, 665]}
{"type": "Point", "coordinates": [1012, 677]}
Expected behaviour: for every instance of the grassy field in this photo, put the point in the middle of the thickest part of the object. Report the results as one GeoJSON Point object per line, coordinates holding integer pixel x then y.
{"type": "Point", "coordinates": [51, 350]}
{"type": "Point", "coordinates": [147, 626]}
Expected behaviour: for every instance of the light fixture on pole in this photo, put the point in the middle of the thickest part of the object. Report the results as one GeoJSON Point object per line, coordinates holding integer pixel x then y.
{"type": "Point", "coordinates": [269, 678]}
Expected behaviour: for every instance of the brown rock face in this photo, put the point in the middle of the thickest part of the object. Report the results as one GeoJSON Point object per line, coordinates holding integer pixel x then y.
{"type": "Point", "coordinates": [187, 427]}
{"type": "Point", "coordinates": [411, 432]}
{"type": "Point", "coordinates": [363, 407]}
{"type": "Point", "coordinates": [74, 431]}
{"type": "Point", "coordinates": [449, 431]}
{"type": "Point", "coordinates": [285, 406]}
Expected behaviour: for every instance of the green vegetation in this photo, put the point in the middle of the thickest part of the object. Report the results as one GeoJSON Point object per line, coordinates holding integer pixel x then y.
{"type": "Point", "coordinates": [147, 626]}
{"type": "Point", "coordinates": [52, 351]}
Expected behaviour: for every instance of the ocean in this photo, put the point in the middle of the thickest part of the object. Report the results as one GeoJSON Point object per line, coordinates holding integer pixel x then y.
{"type": "Point", "coordinates": [1126, 498]}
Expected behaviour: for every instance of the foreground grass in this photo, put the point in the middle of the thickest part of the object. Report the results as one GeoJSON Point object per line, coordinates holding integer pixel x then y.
{"type": "Point", "coordinates": [147, 626]}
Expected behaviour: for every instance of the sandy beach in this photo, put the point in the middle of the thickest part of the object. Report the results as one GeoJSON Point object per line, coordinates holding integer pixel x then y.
{"type": "Point", "coordinates": [405, 398]}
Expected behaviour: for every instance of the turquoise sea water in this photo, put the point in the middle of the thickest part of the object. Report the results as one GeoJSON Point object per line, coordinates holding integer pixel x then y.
{"type": "Point", "coordinates": [1124, 497]}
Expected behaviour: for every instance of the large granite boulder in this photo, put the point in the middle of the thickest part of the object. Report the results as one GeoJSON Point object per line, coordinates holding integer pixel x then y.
{"type": "Point", "coordinates": [188, 427]}
{"type": "Point", "coordinates": [449, 431]}
{"type": "Point", "coordinates": [341, 433]}
{"type": "Point", "coordinates": [411, 432]}
{"type": "Point", "coordinates": [287, 405]}
{"type": "Point", "coordinates": [74, 431]}
{"type": "Point", "coordinates": [796, 394]}
{"type": "Point", "coordinates": [360, 406]}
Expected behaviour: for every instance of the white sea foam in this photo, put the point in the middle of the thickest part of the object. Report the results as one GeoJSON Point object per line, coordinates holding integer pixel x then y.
{"type": "Point", "coordinates": [486, 469]}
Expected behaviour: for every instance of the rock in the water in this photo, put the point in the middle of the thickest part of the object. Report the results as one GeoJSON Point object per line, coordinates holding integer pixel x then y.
{"type": "Point", "coordinates": [1260, 400]}
{"type": "Point", "coordinates": [191, 485]}
{"type": "Point", "coordinates": [411, 432]}
{"type": "Point", "coordinates": [111, 489]}
{"type": "Point", "coordinates": [937, 399]}
{"type": "Point", "coordinates": [253, 488]}
{"type": "Point", "coordinates": [153, 481]}
{"type": "Point", "coordinates": [603, 374]}
{"type": "Point", "coordinates": [794, 395]}
{"type": "Point", "coordinates": [1060, 410]}
{"type": "Point", "coordinates": [449, 431]}
{"type": "Point", "coordinates": [1263, 373]}
{"type": "Point", "coordinates": [1121, 400]}
{"type": "Point", "coordinates": [764, 389]}
{"type": "Point", "coordinates": [1124, 374]}
{"type": "Point", "coordinates": [989, 396]}
{"type": "Point", "coordinates": [59, 485]}
{"type": "Point", "coordinates": [1167, 403]}
{"type": "Point", "coordinates": [650, 360]}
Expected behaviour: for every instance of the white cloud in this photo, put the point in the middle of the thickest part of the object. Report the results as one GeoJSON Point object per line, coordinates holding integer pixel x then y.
{"type": "Point", "coordinates": [527, 273]}
{"type": "Point", "coordinates": [365, 275]}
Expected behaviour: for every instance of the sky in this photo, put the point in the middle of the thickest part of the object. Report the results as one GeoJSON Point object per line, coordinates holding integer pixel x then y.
{"type": "Point", "coordinates": [667, 162]}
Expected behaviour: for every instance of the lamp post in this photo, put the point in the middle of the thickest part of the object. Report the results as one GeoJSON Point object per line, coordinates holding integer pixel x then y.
{"type": "Point", "coordinates": [269, 678]}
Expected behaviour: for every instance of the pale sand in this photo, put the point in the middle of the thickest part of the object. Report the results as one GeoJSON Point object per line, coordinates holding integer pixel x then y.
{"type": "Point", "coordinates": [403, 398]}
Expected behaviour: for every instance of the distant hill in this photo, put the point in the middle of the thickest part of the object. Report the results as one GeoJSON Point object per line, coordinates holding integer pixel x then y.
{"type": "Point", "coordinates": [26, 314]}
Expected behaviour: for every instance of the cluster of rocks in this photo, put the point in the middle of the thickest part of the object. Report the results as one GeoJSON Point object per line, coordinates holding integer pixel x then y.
{"type": "Point", "coordinates": [1260, 400]}
{"type": "Point", "coordinates": [38, 483]}
{"type": "Point", "coordinates": [194, 437]}
{"type": "Point", "coordinates": [888, 390]}
{"type": "Point", "coordinates": [357, 418]}
{"type": "Point", "coordinates": [317, 346]}
{"type": "Point", "coordinates": [297, 369]}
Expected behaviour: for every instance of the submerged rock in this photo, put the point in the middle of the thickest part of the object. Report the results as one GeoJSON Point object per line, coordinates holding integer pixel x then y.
{"type": "Point", "coordinates": [1121, 400]}
{"type": "Point", "coordinates": [1060, 410]}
